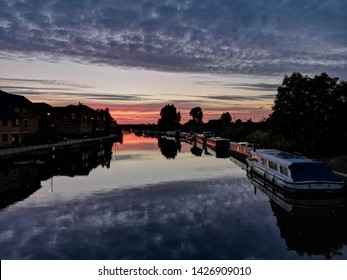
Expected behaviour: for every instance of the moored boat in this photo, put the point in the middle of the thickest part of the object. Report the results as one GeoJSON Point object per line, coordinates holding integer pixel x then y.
{"type": "Point", "coordinates": [202, 138]}
{"type": "Point", "coordinates": [292, 172]}
{"type": "Point", "coordinates": [218, 147]}
{"type": "Point", "coordinates": [218, 143]}
{"type": "Point", "coordinates": [241, 149]}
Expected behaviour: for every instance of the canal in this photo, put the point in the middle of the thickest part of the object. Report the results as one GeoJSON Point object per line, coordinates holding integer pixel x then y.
{"type": "Point", "coordinates": [150, 199]}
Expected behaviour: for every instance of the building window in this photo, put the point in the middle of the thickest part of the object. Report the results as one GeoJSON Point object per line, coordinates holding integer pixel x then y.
{"type": "Point", "coordinates": [5, 137]}
{"type": "Point", "coordinates": [25, 123]}
{"type": "Point", "coordinates": [4, 122]}
{"type": "Point", "coordinates": [15, 123]}
{"type": "Point", "coordinates": [16, 109]}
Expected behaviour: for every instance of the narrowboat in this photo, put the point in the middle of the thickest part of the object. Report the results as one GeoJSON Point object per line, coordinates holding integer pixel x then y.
{"type": "Point", "coordinates": [292, 172]}
{"type": "Point", "coordinates": [218, 144]}
{"type": "Point", "coordinates": [241, 149]}
{"type": "Point", "coordinates": [201, 138]}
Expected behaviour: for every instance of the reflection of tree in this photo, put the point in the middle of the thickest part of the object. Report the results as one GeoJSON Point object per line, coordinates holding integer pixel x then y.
{"type": "Point", "coordinates": [169, 148]}
{"type": "Point", "coordinates": [324, 234]}
{"type": "Point", "coordinates": [196, 151]}
{"type": "Point", "coordinates": [309, 225]}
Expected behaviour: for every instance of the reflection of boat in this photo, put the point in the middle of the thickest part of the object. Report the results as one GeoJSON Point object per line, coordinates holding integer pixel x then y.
{"type": "Point", "coordinates": [292, 172]}
{"type": "Point", "coordinates": [218, 146]}
{"type": "Point", "coordinates": [309, 225]}
{"type": "Point", "coordinates": [173, 135]}
{"type": "Point", "coordinates": [298, 204]}
{"type": "Point", "coordinates": [190, 137]}
{"type": "Point", "coordinates": [195, 150]}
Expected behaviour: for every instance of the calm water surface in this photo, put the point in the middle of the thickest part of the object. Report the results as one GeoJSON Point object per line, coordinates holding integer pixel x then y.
{"type": "Point", "coordinates": [145, 199]}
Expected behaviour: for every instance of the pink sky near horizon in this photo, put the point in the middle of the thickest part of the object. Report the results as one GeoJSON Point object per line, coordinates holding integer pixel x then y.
{"type": "Point", "coordinates": [137, 95]}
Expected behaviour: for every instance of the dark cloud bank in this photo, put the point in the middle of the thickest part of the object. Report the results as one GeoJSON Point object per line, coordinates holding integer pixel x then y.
{"type": "Point", "coordinates": [247, 37]}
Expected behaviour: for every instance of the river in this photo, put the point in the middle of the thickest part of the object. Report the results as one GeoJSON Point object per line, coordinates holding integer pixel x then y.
{"type": "Point", "coordinates": [150, 199]}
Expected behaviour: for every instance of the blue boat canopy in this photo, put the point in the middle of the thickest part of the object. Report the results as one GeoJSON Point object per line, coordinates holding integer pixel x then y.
{"type": "Point", "coordinates": [312, 171]}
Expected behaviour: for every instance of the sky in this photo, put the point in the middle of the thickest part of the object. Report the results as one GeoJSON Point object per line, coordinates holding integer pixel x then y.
{"type": "Point", "coordinates": [136, 56]}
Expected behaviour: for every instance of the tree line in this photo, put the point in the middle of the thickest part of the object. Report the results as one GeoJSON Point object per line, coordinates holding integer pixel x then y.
{"type": "Point", "coordinates": [170, 118]}
{"type": "Point", "coordinates": [309, 116]}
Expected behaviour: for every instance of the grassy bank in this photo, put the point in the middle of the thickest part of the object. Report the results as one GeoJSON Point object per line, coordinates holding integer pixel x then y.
{"type": "Point", "coordinates": [338, 164]}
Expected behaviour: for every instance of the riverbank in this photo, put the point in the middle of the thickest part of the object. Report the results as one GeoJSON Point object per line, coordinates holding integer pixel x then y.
{"type": "Point", "coordinates": [52, 147]}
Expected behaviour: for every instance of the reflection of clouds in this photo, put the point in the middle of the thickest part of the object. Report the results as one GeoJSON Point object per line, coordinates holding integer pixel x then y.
{"type": "Point", "coordinates": [218, 218]}
{"type": "Point", "coordinates": [191, 219]}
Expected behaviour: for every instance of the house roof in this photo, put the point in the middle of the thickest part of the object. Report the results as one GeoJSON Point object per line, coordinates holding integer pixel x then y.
{"type": "Point", "coordinates": [73, 109]}
{"type": "Point", "coordinates": [14, 100]}
{"type": "Point", "coordinates": [42, 106]}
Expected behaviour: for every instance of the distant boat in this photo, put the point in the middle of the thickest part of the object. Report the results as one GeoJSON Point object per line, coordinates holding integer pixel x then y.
{"type": "Point", "coordinates": [172, 135]}
{"type": "Point", "coordinates": [202, 138]}
{"type": "Point", "coordinates": [241, 150]}
{"type": "Point", "coordinates": [292, 172]}
{"type": "Point", "coordinates": [219, 145]}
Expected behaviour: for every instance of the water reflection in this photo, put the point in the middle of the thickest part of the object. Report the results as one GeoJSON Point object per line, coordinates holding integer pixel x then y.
{"type": "Point", "coordinates": [21, 178]}
{"type": "Point", "coordinates": [17, 182]}
{"type": "Point", "coordinates": [169, 147]}
{"type": "Point", "coordinates": [195, 150]}
{"type": "Point", "coordinates": [141, 206]}
{"type": "Point", "coordinates": [310, 225]}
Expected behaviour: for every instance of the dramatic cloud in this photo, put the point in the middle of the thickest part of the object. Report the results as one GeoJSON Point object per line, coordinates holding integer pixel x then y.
{"type": "Point", "coordinates": [241, 97]}
{"type": "Point", "coordinates": [253, 37]}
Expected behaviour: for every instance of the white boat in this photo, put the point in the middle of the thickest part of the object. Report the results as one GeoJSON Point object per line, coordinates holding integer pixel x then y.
{"type": "Point", "coordinates": [293, 172]}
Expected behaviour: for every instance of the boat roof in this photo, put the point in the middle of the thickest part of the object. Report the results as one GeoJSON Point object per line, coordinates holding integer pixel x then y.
{"type": "Point", "coordinates": [217, 138]}
{"type": "Point", "coordinates": [280, 157]}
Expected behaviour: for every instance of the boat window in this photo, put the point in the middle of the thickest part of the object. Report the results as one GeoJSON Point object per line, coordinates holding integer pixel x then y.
{"type": "Point", "coordinates": [272, 165]}
{"type": "Point", "coordinates": [312, 171]}
{"type": "Point", "coordinates": [284, 170]}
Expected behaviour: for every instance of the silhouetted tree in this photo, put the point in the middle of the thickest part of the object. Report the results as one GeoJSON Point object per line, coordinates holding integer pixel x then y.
{"type": "Point", "coordinates": [197, 115]}
{"type": "Point", "coordinates": [169, 117]}
{"type": "Point", "coordinates": [312, 112]}
{"type": "Point", "coordinates": [226, 118]}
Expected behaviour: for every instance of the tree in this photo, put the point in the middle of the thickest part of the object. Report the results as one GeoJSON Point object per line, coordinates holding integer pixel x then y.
{"type": "Point", "coordinates": [226, 118]}
{"type": "Point", "coordinates": [169, 117]}
{"type": "Point", "coordinates": [311, 111]}
{"type": "Point", "coordinates": [197, 115]}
